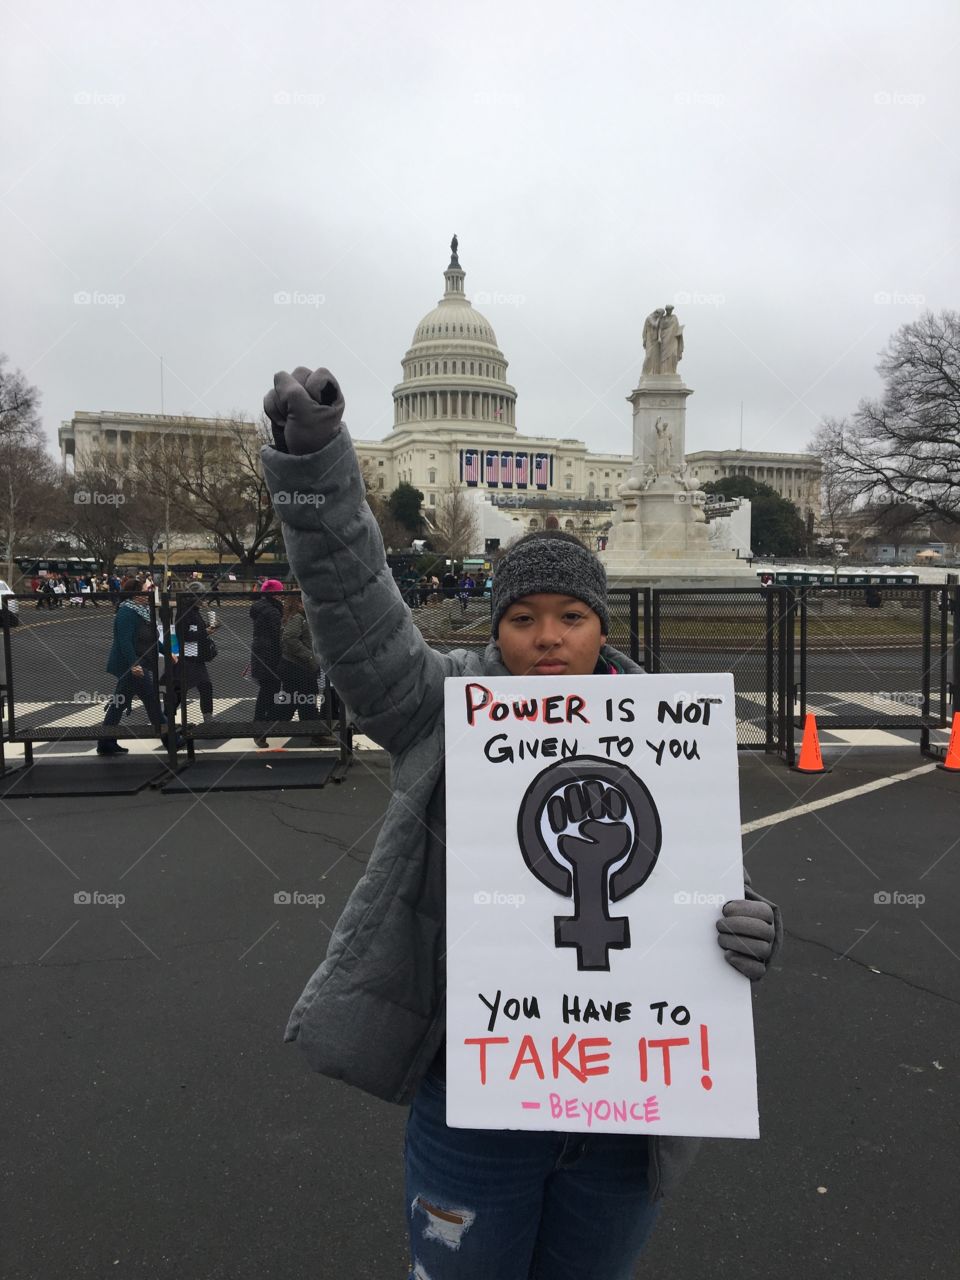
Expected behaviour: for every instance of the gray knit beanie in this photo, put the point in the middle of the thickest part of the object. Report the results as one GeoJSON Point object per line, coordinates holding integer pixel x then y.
{"type": "Point", "coordinates": [551, 562]}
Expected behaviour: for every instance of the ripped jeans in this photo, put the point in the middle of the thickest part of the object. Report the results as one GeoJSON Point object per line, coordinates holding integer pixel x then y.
{"type": "Point", "coordinates": [488, 1204]}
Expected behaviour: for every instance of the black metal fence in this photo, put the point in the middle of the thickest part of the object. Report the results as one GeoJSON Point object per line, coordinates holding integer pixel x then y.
{"type": "Point", "coordinates": [745, 631]}
{"type": "Point", "coordinates": [858, 657]}
{"type": "Point", "coordinates": [174, 669]}
{"type": "Point", "coordinates": [879, 657]}
{"type": "Point", "coordinates": [218, 690]}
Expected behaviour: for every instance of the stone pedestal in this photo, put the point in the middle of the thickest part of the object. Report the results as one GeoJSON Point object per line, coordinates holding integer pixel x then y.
{"type": "Point", "coordinates": [658, 399]}
{"type": "Point", "coordinates": [659, 531]}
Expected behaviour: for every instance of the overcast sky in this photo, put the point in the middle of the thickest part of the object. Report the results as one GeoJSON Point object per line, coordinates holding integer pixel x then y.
{"type": "Point", "coordinates": [791, 171]}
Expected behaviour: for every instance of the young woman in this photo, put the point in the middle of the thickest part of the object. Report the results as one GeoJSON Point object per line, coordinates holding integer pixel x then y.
{"type": "Point", "coordinates": [482, 1205]}
{"type": "Point", "coordinates": [299, 669]}
{"type": "Point", "coordinates": [266, 613]}
{"type": "Point", "coordinates": [196, 650]}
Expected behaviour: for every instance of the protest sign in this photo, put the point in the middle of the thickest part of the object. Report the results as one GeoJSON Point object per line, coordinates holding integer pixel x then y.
{"type": "Point", "coordinates": [593, 835]}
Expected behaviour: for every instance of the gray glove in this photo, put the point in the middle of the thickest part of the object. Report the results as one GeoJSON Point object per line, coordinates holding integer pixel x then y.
{"type": "Point", "coordinates": [304, 409]}
{"type": "Point", "coordinates": [747, 934]}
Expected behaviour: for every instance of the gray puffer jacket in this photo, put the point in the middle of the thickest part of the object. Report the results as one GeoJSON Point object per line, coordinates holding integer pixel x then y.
{"type": "Point", "coordinates": [373, 1014]}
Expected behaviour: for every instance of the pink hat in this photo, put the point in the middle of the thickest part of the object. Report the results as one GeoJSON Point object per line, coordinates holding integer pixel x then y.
{"type": "Point", "coordinates": [271, 584]}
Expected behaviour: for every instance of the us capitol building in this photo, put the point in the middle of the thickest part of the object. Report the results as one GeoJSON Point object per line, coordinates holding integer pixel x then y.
{"type": "Point", "coordinates": [454, 425]}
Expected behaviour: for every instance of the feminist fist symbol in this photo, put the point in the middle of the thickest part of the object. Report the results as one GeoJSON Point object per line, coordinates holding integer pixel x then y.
{"type": "Point", "coordinates": [614, 821]}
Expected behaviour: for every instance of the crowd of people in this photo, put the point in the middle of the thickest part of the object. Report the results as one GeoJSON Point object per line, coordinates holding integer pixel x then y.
{"type": "Point", "coordinates": [55, 590]}
{"type": "Point", "coordinates": [428, 589]}
{"type": "Point", "coordinates": [282, 660]}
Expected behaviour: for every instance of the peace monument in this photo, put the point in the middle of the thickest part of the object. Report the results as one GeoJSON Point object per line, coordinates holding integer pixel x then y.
{"type": "Point", "coordinates": [659, 528]}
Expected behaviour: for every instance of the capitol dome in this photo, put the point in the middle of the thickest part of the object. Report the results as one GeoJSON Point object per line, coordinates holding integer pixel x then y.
{"type": "Point", "coordinates": [454, 374]}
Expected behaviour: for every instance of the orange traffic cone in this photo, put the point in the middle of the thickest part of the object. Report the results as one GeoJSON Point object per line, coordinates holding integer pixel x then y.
{"type": "Point", "coordinates": [951, 761]}
{"type": "Point", "coordinates": [811, 761]}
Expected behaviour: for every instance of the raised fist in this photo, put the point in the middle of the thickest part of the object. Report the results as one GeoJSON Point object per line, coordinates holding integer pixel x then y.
{"type": "Point", "coordinates": [305, 409]}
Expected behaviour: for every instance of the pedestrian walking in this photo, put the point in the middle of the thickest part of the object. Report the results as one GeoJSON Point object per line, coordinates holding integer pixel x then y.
{"type": "Point", "coordinates": [299, 669]}
{"type": "Point", "coordinates": [132, 660]}
{"type": "Point", "coordinates": [467, 586]}
{"type": "Point", "coordinates": [197, 648]}
{"type": "Point", "coordinates": [266, 652]}
{"type": "Point", "coordinates": [481, 1204]}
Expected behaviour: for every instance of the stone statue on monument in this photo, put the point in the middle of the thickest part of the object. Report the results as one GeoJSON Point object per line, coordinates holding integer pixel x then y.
{"type": "Point", "coordinates": [671, 341]}
{"type": "Point", "coordinates": [651, 342]}
{"type": "Point", "coordinates": [637, 482]}
{"type": "Point", "coordinates": [664, 452]}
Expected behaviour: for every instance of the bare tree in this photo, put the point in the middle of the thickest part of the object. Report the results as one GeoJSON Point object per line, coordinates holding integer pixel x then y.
{"type": "Point", "coordinates": [147, 519]}
{"type": "Point", "coordinates": [838, 490]}
{"type": "Point", "coordinates": [221, 488]}
{"type": "Point", "coordinates": [905, 445]}
{"type": "Point", "coordinates": [394, 534]}
{"type": "Point", "coordinates": [456, 524]}
{"type": "Point", "coordinates": [98, 500]}
{"type": "Point", "coordinates": [157, 507]}
{"type": "Point", "coordinates": [29, 496]}
{"type": "Point", "coordinates": [19, 406]}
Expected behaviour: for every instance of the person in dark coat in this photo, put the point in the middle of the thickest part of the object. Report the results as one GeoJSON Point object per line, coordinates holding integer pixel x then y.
{"type": "Point", "coordinates": [467, 585]}
{"type": "Point", "coordinates": [196, 650]}
{"type": "Point", "coordinates": [299, 667]}
{"type": "Point", "coordinates": [132, 659]}
{"type": "Point", "coordinates": [266, 651]}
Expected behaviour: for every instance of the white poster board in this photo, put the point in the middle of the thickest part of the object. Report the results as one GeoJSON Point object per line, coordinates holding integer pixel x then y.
{"type": "Point", "coordinates": [593, 835]}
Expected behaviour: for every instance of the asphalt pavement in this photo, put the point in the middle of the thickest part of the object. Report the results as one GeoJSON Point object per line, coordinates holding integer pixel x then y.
{"type": "Point", "coordinates": [156, 1126]}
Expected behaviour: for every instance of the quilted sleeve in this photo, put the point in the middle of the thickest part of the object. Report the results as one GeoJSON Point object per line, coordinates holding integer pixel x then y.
{"type": "Point", "coordinates": [379, 663]}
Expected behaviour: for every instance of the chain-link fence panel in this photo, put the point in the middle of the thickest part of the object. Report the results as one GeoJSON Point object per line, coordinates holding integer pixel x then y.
{"type": "Point", "coordinates": [450, 620]}
{"type": "Point", "coordinates": [246, 668]}
{"type": "Point", "coordinates": [630, 621]}
{"type": "Point", "coordinates": [877, 657]}
{"type": "Point", "coordinates": [84, 666]}
{"type": "Point", "coordinates": [457, 621]}
{"type": "Point", "coordinates": [745, 631]}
